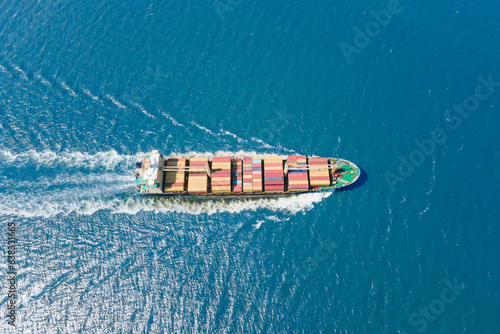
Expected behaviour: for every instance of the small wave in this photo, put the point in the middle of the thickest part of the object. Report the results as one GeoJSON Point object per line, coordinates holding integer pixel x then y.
{"type": "Point", "coordinates": [425, 210]}
{"type": "Point", "coordinates": [433, 176]}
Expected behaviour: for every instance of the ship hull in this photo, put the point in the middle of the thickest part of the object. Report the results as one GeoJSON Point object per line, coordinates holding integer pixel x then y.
{"type": "Point", "coordinates": [230, 196]}
{"type": "Point", "coordinates": [247, 177]}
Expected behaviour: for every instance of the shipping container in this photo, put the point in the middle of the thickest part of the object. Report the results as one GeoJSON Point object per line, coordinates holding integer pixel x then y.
{"type": "Point", "coordinates": [197, 180]}
{"type": "Point", "coordinates": [175, 180]}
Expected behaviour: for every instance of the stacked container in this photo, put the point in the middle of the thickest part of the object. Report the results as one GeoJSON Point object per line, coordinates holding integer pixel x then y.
{"type": "Point", "coordinates": [174, 181]}
{"type": "Point", "coordinates": [256, 174]}
{"type": "Point", "coordinates": [297, 179]}
{"type": "Point", "coordinates": [273, 172]}
{"type": "Point", "coordinates": [247, 174]}
{"type": "Point", "coordinates": [221, 175]}
{"type": "Point", "coordinates": [237, 175]}
{"type": "Point", "coordinates": [319, 177]}
{"type": "Point", "coordinates": [198, 181]}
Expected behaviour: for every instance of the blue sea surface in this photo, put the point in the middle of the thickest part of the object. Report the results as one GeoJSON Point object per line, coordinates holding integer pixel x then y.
{"type": "Point", "coordinates": [408, 90]}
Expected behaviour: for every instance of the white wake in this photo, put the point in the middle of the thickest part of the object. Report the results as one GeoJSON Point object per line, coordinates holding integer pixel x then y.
{"type": "Point", "coordinates": [85, 183]}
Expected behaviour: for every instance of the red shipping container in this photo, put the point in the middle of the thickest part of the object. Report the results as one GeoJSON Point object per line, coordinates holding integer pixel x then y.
{"type": "Point", "coordinates": [297, 175]}
{"type": "Point", "coordinates": [274, 183]}
{"type": "Point", "coordinates": [273, 173]}
{"type": "Point", "coordinates": [178, 184]}
{"type": "Point", "coordinates": [274, 188]}
{"type": "Point", "coordinates": [318, 161]}
{"type": "Point", "coordinates": [221, 159]}
{"type": "Point", "coordinates": [295, 157]}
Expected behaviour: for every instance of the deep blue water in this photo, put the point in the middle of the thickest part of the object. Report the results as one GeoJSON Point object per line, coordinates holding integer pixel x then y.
{"type": "Point", "coordinates": [86, 88]}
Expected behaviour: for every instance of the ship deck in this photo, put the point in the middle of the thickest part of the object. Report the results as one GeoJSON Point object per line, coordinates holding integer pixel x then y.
{"type": "Point", "coordinates": [227, 177]}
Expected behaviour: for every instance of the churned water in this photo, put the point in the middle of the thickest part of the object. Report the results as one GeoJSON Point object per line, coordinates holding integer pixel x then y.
{"type": "Point", "coordinates": [407, 90]}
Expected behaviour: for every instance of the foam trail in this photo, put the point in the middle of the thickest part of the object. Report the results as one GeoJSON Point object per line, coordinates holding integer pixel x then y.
{"type": "Point", "coordinates": [89, 94]}
{"type": "Point", "coordinates": [45, 81]}
{"type": "Point", "coordinates": [227, 133]}
{"type": "Point", "coordinates": [21, 72]}
{"type": "Point", "coordinates": [240, 140]}
{"type": "Point", "coordinates": [115, 102]}
{"type": "Point", "coordinates": [170, 118]}
{"type": "Point", "coordinates": [48, 203]}
{"type": "Point", "coordinates": [54, 203]}
{"type": "Point", "coordinates": [142, 109]}
{"type": "Point", "coordinates": [71, 180]}
{"type": "Point", "coordinates": [66, 87]}
{"type": "Point", "coordinates": [84, 193]}
{"type": "Point", "coordinates": [204, 129]}
{"type": "Point", "coordinates": [257, 140]}
{"type": "Point", "coordinates": [109, 160]}
{"type": "Point", "coordinates": [425, 210]}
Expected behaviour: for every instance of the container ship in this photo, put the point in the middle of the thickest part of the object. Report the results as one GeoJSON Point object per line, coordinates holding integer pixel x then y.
{"type": "Point", "coordinates": [232, 177]}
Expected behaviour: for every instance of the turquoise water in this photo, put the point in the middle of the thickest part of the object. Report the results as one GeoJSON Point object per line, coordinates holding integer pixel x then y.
{"type": "Point", "coordinates": [86, 88]}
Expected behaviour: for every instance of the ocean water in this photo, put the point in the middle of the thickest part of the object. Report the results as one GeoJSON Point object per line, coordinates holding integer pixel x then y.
{"type": "Point", "coordinates": [412, 98]}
